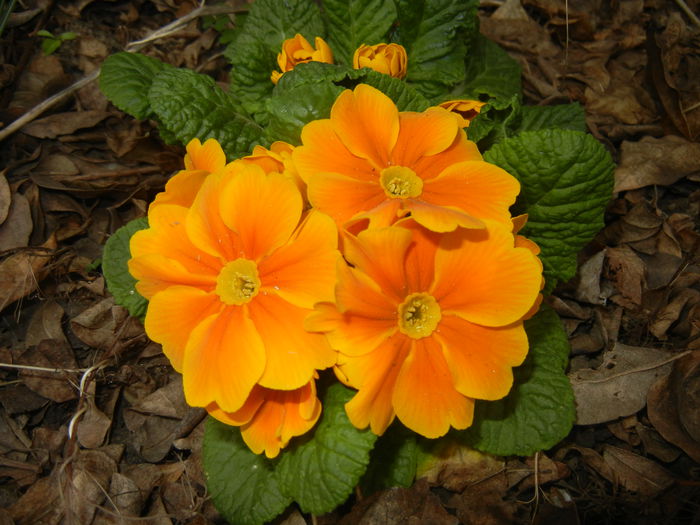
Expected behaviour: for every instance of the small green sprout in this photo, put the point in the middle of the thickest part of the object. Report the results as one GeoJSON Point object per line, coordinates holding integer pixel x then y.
{"type": "Point", "coordinates": [51, 42]}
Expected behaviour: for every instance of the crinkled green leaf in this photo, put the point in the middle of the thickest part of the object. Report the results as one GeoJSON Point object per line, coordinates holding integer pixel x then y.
{"type": "Point", "coordinates": [351, 23]}
{"type": "Point", "coordinates": [539, 411]}
{"type": "Point", "coordinates": [492, 124]}
{"type": "Point", "coordinates": [190, 105]}
{"type": "Point", "coordinates": [393, 461]}
{"type": "Point", "coordinates": [308, 92]}
{"type": "Point", "coordinates": [435, 34]}
{"type": "Point", "coordinates": [562, 116]}
{"type": "Point", "coordinates": [243, 485]}
{"type": "Point", "coordinates": [125, 79]}
{"type": "Point", "coordinates": [322, 472]}
{"type": "Point", "coordinates": [255, 46]}
{"type": "Point", "coordinates": [114, 267]}
{"type": "Point", "coordinates": [491, 75]}
{"type": "Point", "coordinates": [567, 180]}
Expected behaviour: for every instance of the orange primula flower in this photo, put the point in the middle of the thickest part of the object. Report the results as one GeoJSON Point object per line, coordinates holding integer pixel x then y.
{"type": "Point", "coordinates": [297, 50]}
{"type": "Point", "coordinates": [230, 281]}
{"type": "Point", "coordinates": [277, 158]}
{"type": "Point", "coordinates": [270, 418]}
{"type": "Point", "coordinates": [466, 109]}
{"type": "Point", "coordinates": [200, 161]}
{"type": "Point", "coordinates": [390, 59]}
{"type": "Point", "coordinates": [371, 161]}
{"type": "Point", "coordinates": [427, 323]}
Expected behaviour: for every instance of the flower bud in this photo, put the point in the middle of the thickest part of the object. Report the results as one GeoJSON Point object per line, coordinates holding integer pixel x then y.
{"type": "Point", "coordinates": [389, 59]}
{"type": "Point", "coordinates": [297, 50]}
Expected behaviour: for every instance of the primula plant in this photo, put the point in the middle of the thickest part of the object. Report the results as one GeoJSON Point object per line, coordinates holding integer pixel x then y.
{"type": "Point", "coordinates": [350, 268]}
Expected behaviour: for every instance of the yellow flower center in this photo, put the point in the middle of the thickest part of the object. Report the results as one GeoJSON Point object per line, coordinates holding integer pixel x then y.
{"type": "Point", "coordinates": [400, 182]}
{"type": "Point", "coordinates": [419, 315]}
{"type": "Point", "coordinates": [238, 282]}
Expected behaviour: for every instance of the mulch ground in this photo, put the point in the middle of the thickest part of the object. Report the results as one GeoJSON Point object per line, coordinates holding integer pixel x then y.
{"type": "Point", "coordinates": [93, 426]}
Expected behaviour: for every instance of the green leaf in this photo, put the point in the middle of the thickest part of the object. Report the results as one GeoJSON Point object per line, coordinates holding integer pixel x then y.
{"type": "Point", "coordinates": [125, 79]}
{"type": "Point", "coordinates": [563, 116]}
{"type": "Point", "coordinates": [190, 105]}
{"type": "Point", "coordinates": [566, 179]}
{"type": "Point", "coordinates": [114, 267]}
{"type": "Point", "coordinates": [354, 22]}
{"type": "Point", "coordinates": [539, 411]}
{"type": "Point", "coordinates": [321, 473]}
{"type": "Point", "coordinates": [243, 485]}
{"type": "Point", "coordinates": [308, 92]}
{"type": "Point", "coordinates": [434, 33]}
{"type": "Point", "coordinates": [393, 461]}
{"type": "Point", "coordinates": [493, 124]}
{"type": "Point", "coordinates": [254, 49]}
{"type": "Point", "coordinates": [491, 75]}
{"type": "Point", "coordinates": [50, 45]}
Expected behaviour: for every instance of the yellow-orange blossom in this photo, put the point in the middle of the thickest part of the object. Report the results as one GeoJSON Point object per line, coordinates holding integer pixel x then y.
{"type": "Point", "coordinates": [425, 323]}
{"type": "Point", "coordinates": [370, 161]}
{"type": "Point", "coordinates": [229, 288]}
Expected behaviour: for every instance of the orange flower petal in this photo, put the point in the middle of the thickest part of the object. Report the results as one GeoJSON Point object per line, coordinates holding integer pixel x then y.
{"type": "Point", "coordinates": [480, 358]}
{"type": "Point", "coordinates": [181, 189]}
{"type": "Point", "coordinates": [379, 253]}
{"type": "Point", "coordinates": [173, 314]}
{"type": "Point", "coordinates": [425, 399]}
{"type": "Point", "coordinates": [440, 218]}
{"type": "Point", "coordinates": [155, 273]}
{"type": "Point", "coordinates": [208, 156]}
{"type": "Point", "coordinates": [244, 414]}
{"type": "Point", "coordinates": [167, 236]}
{"type": "Point", "coordinates": [356, 293]}
{"type": "Point", "coordinates": [461, 150]}
{"type": "Point", "coordinates": [224, 358]}
{"type": "Point", "coordinates": [367, 122]}
{"type": "Point", "coordinates": [349, 333]}
{"type": "Point", "coordinates": [419, 262]}
{"type": "Point", "coordinates": [375, 376]}
{"type": "Point", "coordinates": [323, 152]}
{"type": "Point", "coordinates": [343, 197]}
{"type": "Point", "coordinates": [421, 134]}
{"type": "Point", "coordinates": [303, 271]}
{"type": "Point", "coordinates": [282, 416]}
{"type": "Point", "coordinates": [478, 188]}
{"type": "Point", "coordinates": [293, 354]}
{"type": "Point", "coordinates": [263, 209]}
{"type": "Point", "coordinates": [204, 225]}
{"type": "Point", "coordinates": [485, 281]}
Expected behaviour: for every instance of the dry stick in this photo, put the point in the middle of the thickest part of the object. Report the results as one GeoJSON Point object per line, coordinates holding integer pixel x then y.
{"type": "Point", "coordinates": [132, 47]}
{"type": "Point", "coordinates": [684, 7]}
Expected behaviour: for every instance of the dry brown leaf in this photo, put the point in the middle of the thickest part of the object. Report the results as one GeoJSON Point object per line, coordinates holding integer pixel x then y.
{"type": "Point", "coordinates": [619, 386]}
{"type": "Point", "coordinates": [64, 123]}
{"type": "Point", "coordinates": [17, 228]}
{"type": "Point", "coordinates": [49, 353]}
{"type": "Point", "coordinates": [40, 505]}
{"type": "Point", "coordinates": [413, 505]}
{"type": "Point", "coordinates": [456, 466]}
{"type": "Point", "coordinates": [588, 289]}
{"type": "Point", "coordinates": [94, 424]}
{"type": "Point", "coordinates": [125, 495]}
{"type": "Point", "coordinates": [5, 197]}
{"type": "Point", "coordinates": [626, 269]}
{"type": "Point", "coordinates": [674, 405]}
{"type": "Point", "coordinates": [86, 483]}
{"type": "Point", "coordinates": [637, 473]}
{"type": "Point", "coordinates": [20, 273]}
{"type": "Point", "coordinates": [661, 161]}
{"type": "Point", "coordinates": [670, 313]}
{"type": "Point", "coordinates": [45, 324]}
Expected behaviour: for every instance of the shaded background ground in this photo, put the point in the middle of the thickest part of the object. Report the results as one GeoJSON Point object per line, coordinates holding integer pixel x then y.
{"type": "Point", "coordinates": [81, 169]}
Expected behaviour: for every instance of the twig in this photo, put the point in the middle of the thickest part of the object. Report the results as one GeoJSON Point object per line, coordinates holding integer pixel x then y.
{"type": "Point", "coordinates": [132, 47]}
{"type": "Point", "coordinates": [684, 7]}
{"type": "Point", "coordinates": [43, 369]}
